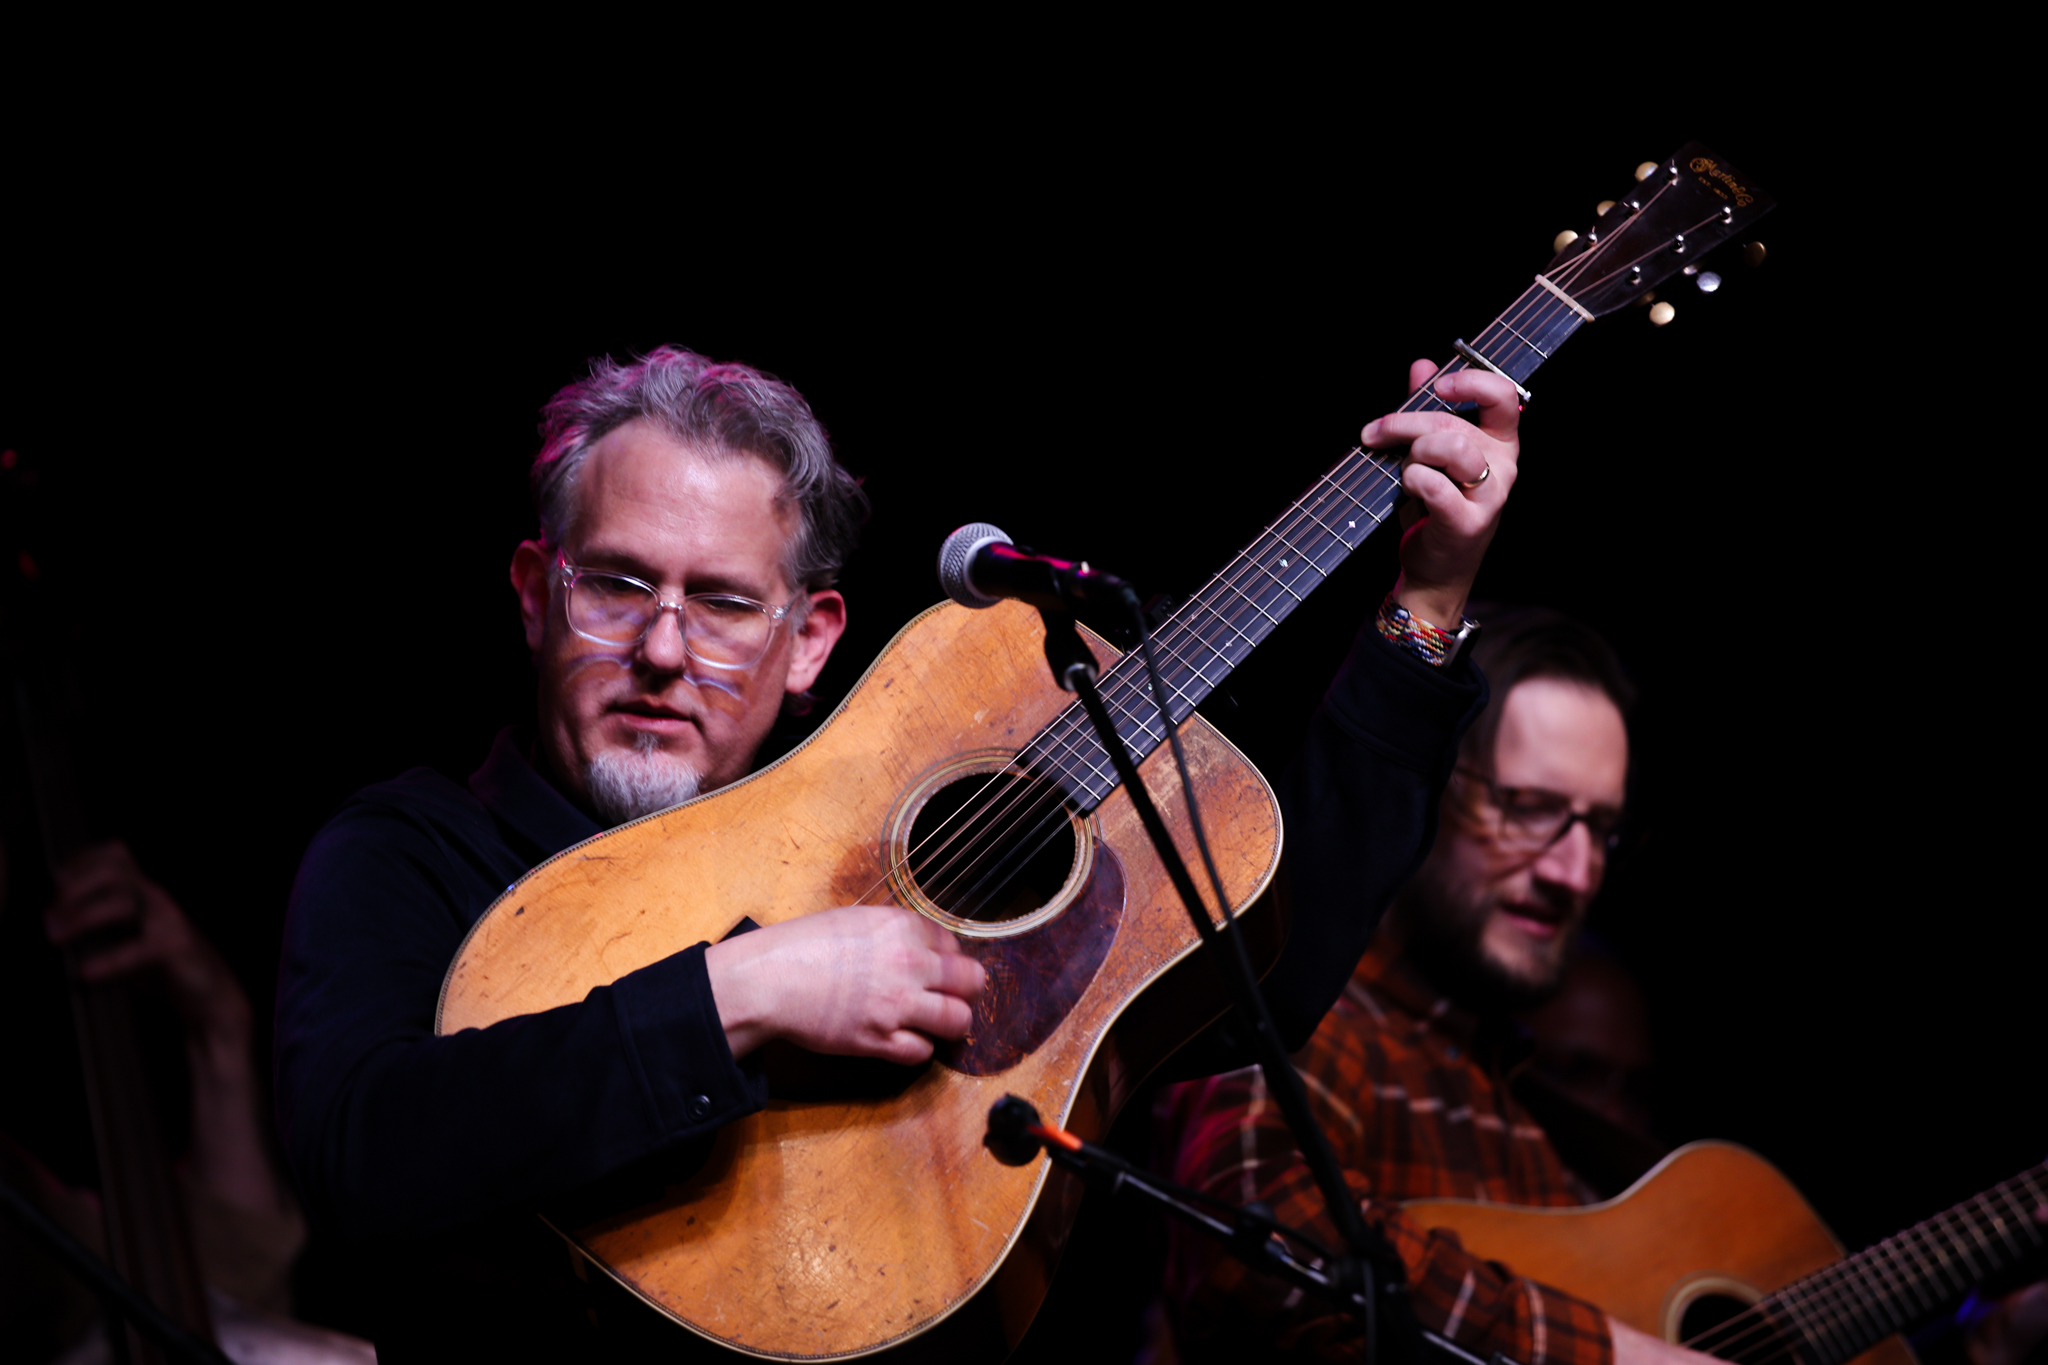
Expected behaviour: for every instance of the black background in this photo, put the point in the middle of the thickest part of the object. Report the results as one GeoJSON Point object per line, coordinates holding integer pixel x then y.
{"type": "Point", "coordinates": [281, 381]}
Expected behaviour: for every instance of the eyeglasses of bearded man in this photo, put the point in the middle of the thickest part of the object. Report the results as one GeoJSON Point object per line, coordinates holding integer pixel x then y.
{"type": "Point", "coordinates": [724, 630]}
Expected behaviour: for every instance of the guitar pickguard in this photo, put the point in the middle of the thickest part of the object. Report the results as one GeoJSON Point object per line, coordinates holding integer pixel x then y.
{"type": "Point", "coordinates": [1036, 978]}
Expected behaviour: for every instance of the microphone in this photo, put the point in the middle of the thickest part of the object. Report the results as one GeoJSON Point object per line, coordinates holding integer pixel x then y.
{"type": "Point", "coordinates": [979, 566]}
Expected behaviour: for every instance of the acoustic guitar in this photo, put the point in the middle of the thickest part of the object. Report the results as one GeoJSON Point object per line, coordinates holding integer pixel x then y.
{"type": "Point", "coordinates": [859, 1209]}
{"type": "Point", "coordinates": [1715, 1249]}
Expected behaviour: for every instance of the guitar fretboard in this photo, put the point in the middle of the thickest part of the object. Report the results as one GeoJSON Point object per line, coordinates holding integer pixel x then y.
{"type": "Point", "coordinates": [1217, 628]}
{"type": "Point", "coordinates": [1855, 1303]}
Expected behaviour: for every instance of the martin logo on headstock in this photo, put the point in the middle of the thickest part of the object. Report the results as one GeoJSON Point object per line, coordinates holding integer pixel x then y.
{"type": "Point", "coordinates": [1682, 209]}
{"type": "Point", "coordinates": [1709, 170]}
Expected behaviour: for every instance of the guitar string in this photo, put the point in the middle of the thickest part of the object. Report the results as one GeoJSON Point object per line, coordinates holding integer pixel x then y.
{"type": "Point", "coordinates": [1822, 1304]}
{"type": "Point", "coordinates": [982, 823]}
{"type": "Point", "coordinates": [1118, 694]}
{"type": "Point", "coordinates": [1304, 507]}
{"type": "Point", "coordinates": [1577, 265]}
{"type": "Point", "coordinates": [1628, 265]}
{"type": "Point", "coordinates": [1187, 626]}
{"type": "Point", "coordinates": [1980, 1219]}
{"type": "Point", "coordinates": [1122, 696]}
{"type": "Point", "coordinates": [1188, 622]}
{"type": "Point", "coordinates": [1296, 523]}
{"type": "Point", "coordinates": [1736, 1338]}
{"type": "Point", "coordinates": [1055, 819]}
{"type": "Point", "coordinates": [1775, 1325]}
{"type": "Point", "coordinates": [988, 838]}
{"type": "Point", "coordinates": [1179, 631]}
{"type": "Point", "coordinates": [1828, 1291]}
{"type": "Point", "coordinates": [1822, 1307]}
{"type": "Point", "coordinates": [1914, 1278]}
{"type": "Point", "coordinates": [1787, 1322]}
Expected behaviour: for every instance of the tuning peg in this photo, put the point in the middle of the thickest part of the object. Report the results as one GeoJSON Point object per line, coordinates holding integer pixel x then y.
{"type": "Point", "coordinates": [1752, 253]}
{"type": "Point", "coordinates": [1563, 240]}
{"type": "Point", "coordinates": [1600, 209]}
{"type": "Point", "coordinates": [1648, 169]}
{"type": "Point", "coordinates": [1661, 313]}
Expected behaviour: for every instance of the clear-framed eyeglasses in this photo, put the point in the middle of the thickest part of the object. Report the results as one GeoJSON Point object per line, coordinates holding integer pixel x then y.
{"type": "Point", "coordinates": [1529, 820]}
{"type": "Point", "coordinates": [721, 629]}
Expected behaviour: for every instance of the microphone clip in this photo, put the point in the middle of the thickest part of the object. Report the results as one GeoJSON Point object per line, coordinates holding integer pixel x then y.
{"type": "Point", "coordinates": [1066, 651]}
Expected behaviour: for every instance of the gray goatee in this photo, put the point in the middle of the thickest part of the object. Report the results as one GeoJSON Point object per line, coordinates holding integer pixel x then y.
{"type": "Point", "coordinates": [626, 786]}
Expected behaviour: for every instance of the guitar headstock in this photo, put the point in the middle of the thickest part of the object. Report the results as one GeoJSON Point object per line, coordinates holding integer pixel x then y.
{"type": "Point", "coordinates": [1668, 220]}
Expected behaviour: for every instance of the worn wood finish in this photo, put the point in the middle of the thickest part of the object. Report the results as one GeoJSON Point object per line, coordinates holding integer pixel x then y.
{"type": "Point", "coordinates": [1710, 1218]}
{"type": "Point", "coordinates": [1035, 978]}
{"type": "Point", "coordinates": [830, 1226]}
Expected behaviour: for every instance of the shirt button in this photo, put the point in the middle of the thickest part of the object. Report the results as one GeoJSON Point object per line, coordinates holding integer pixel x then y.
{"type": "Point", "coordinates": [699, 1106]}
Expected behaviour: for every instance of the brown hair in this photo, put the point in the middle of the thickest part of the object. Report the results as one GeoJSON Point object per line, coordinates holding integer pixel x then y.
{"type": "Point", "coordinates": [1519, 643]}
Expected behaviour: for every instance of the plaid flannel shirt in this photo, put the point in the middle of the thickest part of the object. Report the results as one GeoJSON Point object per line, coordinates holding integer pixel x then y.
{"type": "Point", "coordinates": [1410, 1089]}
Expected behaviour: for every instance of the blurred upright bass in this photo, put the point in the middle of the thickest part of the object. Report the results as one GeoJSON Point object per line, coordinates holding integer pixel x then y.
{"type": "Point", "coordinates": [147, 1239]}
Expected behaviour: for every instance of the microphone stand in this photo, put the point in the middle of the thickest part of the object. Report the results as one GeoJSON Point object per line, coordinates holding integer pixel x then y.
{"type": "Point", "coordinates": [1249, 1232]}
{"type": "Point", "coordinates": [1370, 1278]}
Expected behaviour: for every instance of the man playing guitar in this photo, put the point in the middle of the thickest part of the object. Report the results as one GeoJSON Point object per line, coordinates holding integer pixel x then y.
{"type": "Point", "coordinates": [693, 521]}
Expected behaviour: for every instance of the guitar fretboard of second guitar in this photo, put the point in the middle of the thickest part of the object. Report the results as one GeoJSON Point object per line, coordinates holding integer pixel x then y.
{"type": "Point", "coordinates": [1844, 1310]}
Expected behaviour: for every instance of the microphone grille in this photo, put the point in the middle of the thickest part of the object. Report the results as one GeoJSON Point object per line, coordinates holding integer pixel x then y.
{"type": "Point", "coordinates": [955, 556]}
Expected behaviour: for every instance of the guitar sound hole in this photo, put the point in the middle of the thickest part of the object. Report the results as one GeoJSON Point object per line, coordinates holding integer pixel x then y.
{"type": "Point", "coordinates": [992, 847]}
{"type": "Point", "coordinates": [1707, 1312]}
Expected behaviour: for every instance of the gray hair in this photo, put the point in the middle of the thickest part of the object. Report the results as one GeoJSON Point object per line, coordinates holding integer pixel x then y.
{"type": "Point", "coordinates": [728, 409]}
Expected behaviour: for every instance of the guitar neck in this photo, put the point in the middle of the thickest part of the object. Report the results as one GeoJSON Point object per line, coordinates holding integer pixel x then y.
{"type": "Point", "coordinates": [1679, 210]}
{"type": "Point", "coordinates": [1234, 612]}
{"type": "Point", "coordinates": [1855, 1303]}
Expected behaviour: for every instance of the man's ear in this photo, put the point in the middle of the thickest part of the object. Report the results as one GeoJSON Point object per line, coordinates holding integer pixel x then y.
{"type": "Point", "coordinates": [822, 626]}
{"type": "Point", "coordinates": [532, 575]}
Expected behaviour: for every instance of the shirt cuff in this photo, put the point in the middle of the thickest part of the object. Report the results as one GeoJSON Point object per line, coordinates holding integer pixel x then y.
{"type": "Point", "coordinates": [1380, 682]}
{"type": "Point", "coordinates": [668, 1022]}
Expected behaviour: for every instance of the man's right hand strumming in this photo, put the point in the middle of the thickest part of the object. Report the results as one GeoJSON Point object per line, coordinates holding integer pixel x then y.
{"type": "Point", "coordinates": [860, 981]}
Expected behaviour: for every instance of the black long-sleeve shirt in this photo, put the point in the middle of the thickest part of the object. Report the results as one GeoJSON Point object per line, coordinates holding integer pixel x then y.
{"type": "Point", "coordinates": [394, 1133]}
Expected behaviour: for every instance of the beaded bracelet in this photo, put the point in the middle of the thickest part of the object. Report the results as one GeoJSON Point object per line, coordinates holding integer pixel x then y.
{"type": "Point", "coordinates": [1431, 644]}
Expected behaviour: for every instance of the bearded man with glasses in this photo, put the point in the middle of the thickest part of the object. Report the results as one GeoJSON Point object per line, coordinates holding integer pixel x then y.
{"type": "Point", "coordinates": [678, 596]}
{"type": "Point", "coordinates": [1408, 1071]}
